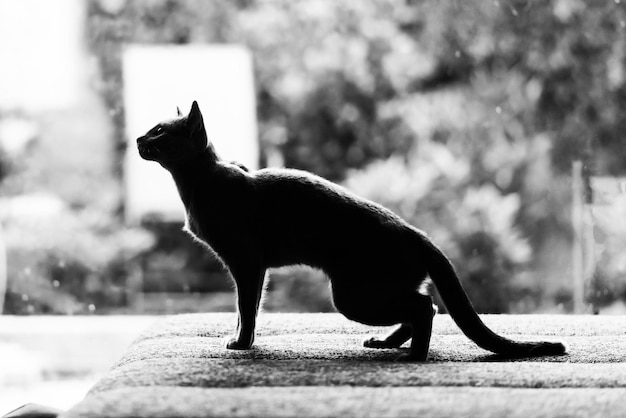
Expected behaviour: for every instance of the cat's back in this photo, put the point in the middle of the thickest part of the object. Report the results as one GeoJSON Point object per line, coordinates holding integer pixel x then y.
{"type": "Point", "coordinates": [291, 185]}
{"type": "Point", "coordinates": [305, 194]}
{"type": "Point", "coordinates": [295, 181]}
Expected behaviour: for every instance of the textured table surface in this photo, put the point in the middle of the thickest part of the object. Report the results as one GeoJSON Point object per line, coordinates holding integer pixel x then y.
{"type": "Point", "coordinates": [314, 365]}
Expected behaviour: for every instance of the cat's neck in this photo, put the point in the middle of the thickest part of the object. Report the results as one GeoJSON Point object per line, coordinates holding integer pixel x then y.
{"type": "Point", "coordinates": [193, 173]}
{"type": "Point", "coordinates": [204, 160]}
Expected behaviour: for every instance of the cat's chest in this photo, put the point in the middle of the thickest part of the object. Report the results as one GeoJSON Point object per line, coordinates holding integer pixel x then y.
{"type": "Point", "coordinates": [217, 223]}
{"type": "Point", "coordinates": [209, 229]}
{"type": "Point", "coordinates": [192, 227]}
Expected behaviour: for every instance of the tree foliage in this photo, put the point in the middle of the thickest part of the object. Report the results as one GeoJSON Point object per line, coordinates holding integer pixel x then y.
{"type": "Point", "coordinates": [463, 116]}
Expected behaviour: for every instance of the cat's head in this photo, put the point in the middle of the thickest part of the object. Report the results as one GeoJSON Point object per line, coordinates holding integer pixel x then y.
{"type": "Point", "coordinates": [175, 142]}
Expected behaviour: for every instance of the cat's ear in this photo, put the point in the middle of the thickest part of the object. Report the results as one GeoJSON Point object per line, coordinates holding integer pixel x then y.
{"type": "Point", "coordinates": [194, 114]}
{"type": "Point", "coordinates": [194, 119]}
{"type": "Point", "coordinates": [194, 107]}
{"type": "Point", "coordinates": [178, 112]}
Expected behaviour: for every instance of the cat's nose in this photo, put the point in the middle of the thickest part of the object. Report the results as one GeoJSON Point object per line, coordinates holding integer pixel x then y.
{"type": "Point", "coordinates": [142, 140]}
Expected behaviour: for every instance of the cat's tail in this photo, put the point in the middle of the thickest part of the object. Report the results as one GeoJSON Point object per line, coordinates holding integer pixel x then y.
{"type": "Point", "coordinates": [442, 273]}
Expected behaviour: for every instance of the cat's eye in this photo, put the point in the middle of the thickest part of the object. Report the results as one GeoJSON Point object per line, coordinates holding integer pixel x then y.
{"type": "Point", "coordinates": [158, 130]}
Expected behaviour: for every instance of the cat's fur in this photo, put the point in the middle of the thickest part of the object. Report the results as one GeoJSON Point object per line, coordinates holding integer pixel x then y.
{"type": "Point", "coordinates": [275, 217]}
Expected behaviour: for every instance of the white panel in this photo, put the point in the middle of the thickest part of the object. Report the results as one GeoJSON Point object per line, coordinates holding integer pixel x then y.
{"type": "Point", "coordinates": [159, 78]}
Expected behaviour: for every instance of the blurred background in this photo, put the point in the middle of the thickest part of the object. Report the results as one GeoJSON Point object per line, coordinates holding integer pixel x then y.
{"type": "Point", "coordinates": [494, 125]}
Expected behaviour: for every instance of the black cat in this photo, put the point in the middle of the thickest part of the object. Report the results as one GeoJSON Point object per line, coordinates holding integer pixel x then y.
{"type": "Point", "coordinates": [376, 262]}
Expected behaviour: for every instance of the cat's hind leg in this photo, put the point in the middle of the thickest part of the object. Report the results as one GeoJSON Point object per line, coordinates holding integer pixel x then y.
{"type": "Point", "coordinates": [418, 312]}
{"type": "Point", "coordinates": [394, 340]}
{"type": "Point", "coordinates": [380, 306]}
{"type": "Point", "coordinates": [422, 328]}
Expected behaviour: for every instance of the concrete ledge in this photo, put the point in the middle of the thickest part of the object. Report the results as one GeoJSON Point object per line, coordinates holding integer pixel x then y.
{"type": "Point", "coordinates": [314, 365]}
{"type": "Point", "coordinates": [346, 401]}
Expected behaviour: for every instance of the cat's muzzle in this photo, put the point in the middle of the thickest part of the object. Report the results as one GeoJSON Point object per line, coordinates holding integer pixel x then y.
{"type": "Point", "coordinates": [146, 150]}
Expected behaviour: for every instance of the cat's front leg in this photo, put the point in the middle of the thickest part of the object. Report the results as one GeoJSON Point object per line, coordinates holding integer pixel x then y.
{"type": "Point", "coordinates": [249, 285]}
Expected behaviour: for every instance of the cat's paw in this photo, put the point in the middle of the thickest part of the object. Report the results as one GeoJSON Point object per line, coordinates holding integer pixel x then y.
{"type": "Point", "coordinates": [378, 343]}
{"type": "Point", "coordinates": [237, 344]}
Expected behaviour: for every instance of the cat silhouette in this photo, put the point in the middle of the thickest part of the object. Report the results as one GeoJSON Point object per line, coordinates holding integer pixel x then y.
{"type": "Point", "coordinates": [375, 261]}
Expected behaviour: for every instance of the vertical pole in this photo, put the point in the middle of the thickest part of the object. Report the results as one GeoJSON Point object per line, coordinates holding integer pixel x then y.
{"type": "Point", "coordinates": [578, 202]}
{"type": "Point", "coordinates": [3, 270]}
